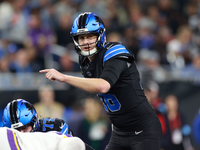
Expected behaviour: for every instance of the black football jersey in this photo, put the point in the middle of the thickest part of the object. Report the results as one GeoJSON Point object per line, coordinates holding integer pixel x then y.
{"type": "Point", "coordinates": [53, 124]}
{"type": "Point", "coordinates": [125, 102]}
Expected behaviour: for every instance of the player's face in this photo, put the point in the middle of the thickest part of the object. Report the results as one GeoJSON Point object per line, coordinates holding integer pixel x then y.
{"type": "Point", "coordinates": [26, 129]}
{"type": "Point", "coordinates": [87, 41]}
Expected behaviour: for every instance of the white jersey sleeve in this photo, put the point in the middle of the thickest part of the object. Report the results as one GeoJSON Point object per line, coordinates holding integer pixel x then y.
{"type": "Point", "coordinates": [12, 139]}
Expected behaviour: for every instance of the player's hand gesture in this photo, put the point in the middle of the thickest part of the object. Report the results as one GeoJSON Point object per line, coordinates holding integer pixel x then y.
{"type": "Point", "coordinates": [53, 75]}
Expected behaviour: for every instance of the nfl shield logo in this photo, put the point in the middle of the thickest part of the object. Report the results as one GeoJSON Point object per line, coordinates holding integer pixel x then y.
{"type": "Point", "coordinates": [89, 74]}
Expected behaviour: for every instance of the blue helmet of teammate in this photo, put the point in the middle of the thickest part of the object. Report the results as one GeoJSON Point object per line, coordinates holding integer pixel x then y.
{"type": "Point", "coordinates": [19, 114]}
{"type": "Point", "coordinates": [87, 23]}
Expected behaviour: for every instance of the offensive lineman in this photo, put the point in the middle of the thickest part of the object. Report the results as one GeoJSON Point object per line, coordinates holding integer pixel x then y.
{"type": "Point", "coordinates": [109, 70]}
{"type": "Point", "coordinates": [21, 115]}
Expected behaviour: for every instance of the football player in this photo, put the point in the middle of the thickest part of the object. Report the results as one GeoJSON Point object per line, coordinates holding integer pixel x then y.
{"type": "Point", "coordinates": [12, 139]}
{"type": "Point", "coordinates": [110, 70]}
{"type": "Point", "coordinates": [21, 115]}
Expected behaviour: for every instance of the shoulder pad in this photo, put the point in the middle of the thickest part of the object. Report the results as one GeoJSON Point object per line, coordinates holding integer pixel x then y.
{"type": "Point", "coordinates": [115, 50]}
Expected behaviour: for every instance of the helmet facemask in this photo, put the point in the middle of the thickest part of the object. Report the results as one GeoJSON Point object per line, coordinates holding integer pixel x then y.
{"type": "Point", "coordinates": [88, 53]}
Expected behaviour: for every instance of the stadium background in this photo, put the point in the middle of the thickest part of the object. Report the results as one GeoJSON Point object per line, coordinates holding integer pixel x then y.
{"type": "Point", "coordinates": [162, 34]}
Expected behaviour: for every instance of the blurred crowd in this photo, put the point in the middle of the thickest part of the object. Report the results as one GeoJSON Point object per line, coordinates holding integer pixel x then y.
{"type": "Point", "coordinates": [162, 34]}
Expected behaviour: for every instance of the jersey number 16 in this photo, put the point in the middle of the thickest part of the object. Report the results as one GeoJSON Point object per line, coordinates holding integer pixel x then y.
{"type": "Point", "coordinates": [110, 102]}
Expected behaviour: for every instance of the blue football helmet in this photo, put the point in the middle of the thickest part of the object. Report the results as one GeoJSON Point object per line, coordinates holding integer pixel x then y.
{"type": "Point", "coordinates": [19, 114]}
{"type": "Point", "coordinates": [87, 23]}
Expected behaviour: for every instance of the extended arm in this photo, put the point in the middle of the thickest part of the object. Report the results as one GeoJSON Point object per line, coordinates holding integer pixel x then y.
{"type": "Point", "coordinates": [112, 70]}
{"type": "Point", "coordinates": [93, 85]}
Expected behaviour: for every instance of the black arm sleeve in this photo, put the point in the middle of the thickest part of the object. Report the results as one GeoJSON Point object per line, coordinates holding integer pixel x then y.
{"type": "Point", "coordinates": [112, 70]}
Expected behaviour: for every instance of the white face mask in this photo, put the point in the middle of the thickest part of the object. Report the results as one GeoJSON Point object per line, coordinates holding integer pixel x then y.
{"type": "Point", "coordinates": [89, 53]}
{"type": "Point", "coordinates": [94, 50]}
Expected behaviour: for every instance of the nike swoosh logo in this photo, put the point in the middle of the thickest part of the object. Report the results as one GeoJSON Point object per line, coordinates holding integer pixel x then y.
{"type": "Point", "coordinates": [136, 133]}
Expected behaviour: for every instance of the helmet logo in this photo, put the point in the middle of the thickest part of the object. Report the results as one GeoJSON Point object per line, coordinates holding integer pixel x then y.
{"type": "Point", "coordinates": [16, 125]}
{"type": "Point", "coordinates": [29, 107]}
{"type": "Point", "coordinates": [82, 30]}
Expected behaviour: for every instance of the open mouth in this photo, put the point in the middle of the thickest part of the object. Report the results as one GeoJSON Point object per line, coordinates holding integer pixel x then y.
{"type": "Point", "coordinates": [86, 48]}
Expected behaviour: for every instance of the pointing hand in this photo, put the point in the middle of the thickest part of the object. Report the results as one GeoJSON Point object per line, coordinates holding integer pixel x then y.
{"type": "Point", "coordinates": [53, 75]}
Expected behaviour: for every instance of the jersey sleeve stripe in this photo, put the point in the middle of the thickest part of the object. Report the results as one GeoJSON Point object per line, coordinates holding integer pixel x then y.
{"type": "Point", "coordinates": [65, 129]}
{"type": "Point", "coordinates": [113, 51]}
{"type": "Point", "coordinates": [13, 140]}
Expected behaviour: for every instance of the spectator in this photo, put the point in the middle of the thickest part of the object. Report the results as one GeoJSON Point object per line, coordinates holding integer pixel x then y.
{"type": "Point", "coordinates": [66, 7]}
{"type": "Point", "coordinates": [154, 15]}
{"type": "Point", "coordinates": [5, 76]}
{"type": "Point", "coordinates": [136, 14]}
{"type": "Point", "coordinates": [15, 26]}
{"type": "Point", "coordinates": [175, 18]}
{"type": "Point", "coordinates": [180, 49]}
{"type": "Point", "coordinates": [39, 37]}
{"type": "Point", "coordinates": [163, 36]}
{"type": "Point", "coordinates": [114, 36]}
{"type": "Point", "coordinates": [4, 65]}
{"type": "Point", "coordinates": [130, 39]}
{"type": "Point", "coordinates": [3, 51]}
{"type": "Point", "coordinates": [6, 10]}
{"type": "Point", "coordinates": [21, 64]}
{"type": "Point", "coordinates": [96, 6]}
{"type": "Point", "coordinates": [97, 128]}
{"type": "Point", "coordinates": [47, 105]}
{"type": "Point", "coordinates": [150, 67]}
{"type": "Point", "coordinates": [192, 70]}
{"type": "Point", "coordinates": [63, 30]}
{"type": "Point", "coordinates": [67, 63]}
{"type": "Point", "coordinates": [179, 128]}
{"type": "Point", "coordinates": [151, 90]}
{"type": "Point", "coordinates": [48, 14]}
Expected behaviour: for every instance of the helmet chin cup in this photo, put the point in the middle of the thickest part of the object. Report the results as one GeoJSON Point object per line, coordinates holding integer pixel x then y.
{"type": "Point", "coordinates": [89, 53]}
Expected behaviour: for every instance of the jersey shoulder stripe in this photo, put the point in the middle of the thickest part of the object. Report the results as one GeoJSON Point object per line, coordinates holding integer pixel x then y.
{"type": "Point", "coordinates": [65, 129]}
{"type": "Point", "coordinates": [13, 140]}
{"type": "Point", "coordinates": [114, 51]}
